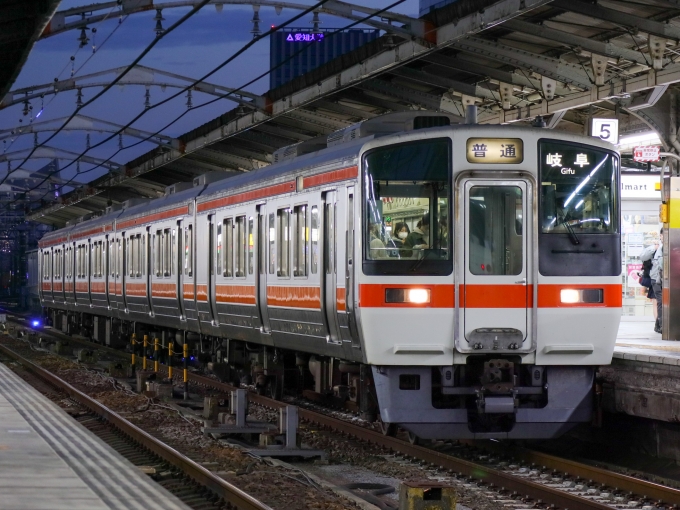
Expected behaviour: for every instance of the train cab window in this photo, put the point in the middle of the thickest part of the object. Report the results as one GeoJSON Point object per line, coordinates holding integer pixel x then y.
{"type": "Point", "coordinates": [495, 242]}
{"type": "Point", "coordinates": [300, 241]}
{"type": "Point", "coordinates": [241, 247]}
{"type": "Point", "coordinates": [46, 266]}
{"type": "Point", "coordinates": [578, 189]}
{"type": "Point", "coordinates": [188, 250]}
{"type": "Point", "coordinates": [406, 209]}
{"type": "Point", "coordinates": [314, 228]}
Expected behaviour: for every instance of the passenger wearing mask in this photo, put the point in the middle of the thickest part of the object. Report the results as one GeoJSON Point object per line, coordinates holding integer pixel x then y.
{"type": "Point", "coordinates": [655, 254]}
{"type": "Point", "coordinates": [399, 234]}
{"type": "Point", "coordinates": [418, 239]}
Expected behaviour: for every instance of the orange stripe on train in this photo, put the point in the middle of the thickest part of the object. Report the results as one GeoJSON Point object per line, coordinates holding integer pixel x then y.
{"type": "Point", "coordinates": [294, 297]}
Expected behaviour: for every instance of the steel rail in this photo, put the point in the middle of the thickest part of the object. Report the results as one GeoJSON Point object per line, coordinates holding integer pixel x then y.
{"type": "Point", "coordinates": [511, 483]}
{"type": "Point", "coordinates": [620, 481]}
{"type": "Point", "coordinates": [229, 492]}
{"type": "Point", "coordinates": [623, 482]}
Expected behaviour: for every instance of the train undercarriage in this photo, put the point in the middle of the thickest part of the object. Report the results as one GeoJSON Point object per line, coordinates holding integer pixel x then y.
{"type": "Point", "coordinates": [491, 396]}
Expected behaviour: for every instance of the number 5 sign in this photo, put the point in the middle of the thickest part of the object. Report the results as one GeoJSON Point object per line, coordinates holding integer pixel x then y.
{"type": "Point", "coordinates": [606, 129]}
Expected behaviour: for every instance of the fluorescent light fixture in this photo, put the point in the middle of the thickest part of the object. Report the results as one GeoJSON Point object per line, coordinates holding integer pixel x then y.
{"type": "Point", "coordinates": [649, 138]}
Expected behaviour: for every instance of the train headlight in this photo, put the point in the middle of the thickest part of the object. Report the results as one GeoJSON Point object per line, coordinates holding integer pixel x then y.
{"type": "Point", "coordinates": [572, 296]}
{"type": "Point", "coordinates": [414, 296]}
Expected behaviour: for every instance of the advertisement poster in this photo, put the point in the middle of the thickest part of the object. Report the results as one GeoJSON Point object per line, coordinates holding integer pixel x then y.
{"type": "Point", "coordinates": [633, 270]}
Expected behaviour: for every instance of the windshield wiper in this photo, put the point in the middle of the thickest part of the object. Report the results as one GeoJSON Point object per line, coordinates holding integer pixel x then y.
{"type": "Point", "coordinates": [572, 234]}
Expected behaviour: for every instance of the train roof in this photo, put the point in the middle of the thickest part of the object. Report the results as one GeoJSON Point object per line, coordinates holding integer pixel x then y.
{"type": "Point", "coordinates": [343, 154]}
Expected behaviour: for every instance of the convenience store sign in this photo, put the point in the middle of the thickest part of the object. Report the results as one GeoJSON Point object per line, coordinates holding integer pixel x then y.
{"type": "Point", "coordinates": [640, 186]}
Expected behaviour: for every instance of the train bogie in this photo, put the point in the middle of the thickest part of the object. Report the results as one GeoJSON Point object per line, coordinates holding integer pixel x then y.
{"type": "Point", "coordinates": [460, 281]}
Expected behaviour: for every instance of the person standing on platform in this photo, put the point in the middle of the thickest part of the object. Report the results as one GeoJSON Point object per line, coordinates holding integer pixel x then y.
{"type": "Point", "coordinates": [655, 254]}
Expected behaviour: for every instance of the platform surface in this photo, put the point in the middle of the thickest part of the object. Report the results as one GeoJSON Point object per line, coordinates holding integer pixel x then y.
{"type": "Point", "coordinates": [637, 341]}
{"type": "Point", "coordinates": [48, 461]}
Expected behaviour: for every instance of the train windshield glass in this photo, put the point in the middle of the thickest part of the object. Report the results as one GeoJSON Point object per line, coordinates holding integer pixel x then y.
{"type": "Point", "coordinates": [407, 205]}
{"type": "Point", "coordinates": [578, 189]}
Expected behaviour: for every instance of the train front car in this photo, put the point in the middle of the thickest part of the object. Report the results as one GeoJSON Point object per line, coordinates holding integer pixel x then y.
{"type": "Point", "coordinates": [489, 288]}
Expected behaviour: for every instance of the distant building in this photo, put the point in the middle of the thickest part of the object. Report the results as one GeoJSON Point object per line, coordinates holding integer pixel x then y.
{"type": "Point", "coordinates": [321, 46]}
{"type": "Point", "coordinates": [425, 6]}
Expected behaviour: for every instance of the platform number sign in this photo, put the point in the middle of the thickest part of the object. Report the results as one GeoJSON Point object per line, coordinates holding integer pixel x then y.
{"type": "Point", "coordinates": [606, 129]}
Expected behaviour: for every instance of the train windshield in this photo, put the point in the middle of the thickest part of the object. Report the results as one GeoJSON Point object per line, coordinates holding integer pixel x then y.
{"type": "Point", "coordinates": [406, 224]}
{"type": "Point", "coordinates": [578, 189]}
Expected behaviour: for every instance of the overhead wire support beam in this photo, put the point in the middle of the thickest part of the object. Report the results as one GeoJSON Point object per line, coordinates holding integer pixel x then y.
{"type": "Point", "coordinates": [85, 123]}
{"type": "Point", "coordinates": [599, 48]}
{"type": "Point", "coordinates": [591, 10]}
{"type": "Point", "coordinates": [47, 152]}
{"type": "Point", "coordinates": [89, 14]}
{"type": "Point", "coordinates": [552, 68]}
{"type": "Point", "coordinates": [140, 75]}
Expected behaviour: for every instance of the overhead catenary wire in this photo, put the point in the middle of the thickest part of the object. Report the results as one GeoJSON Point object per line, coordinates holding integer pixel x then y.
{"type": "Point", "coordinates": [53, 97]}
{"type": "Point", "coordinates": [129, 68]}
{"type": "Point", "coordinates": [188, 87]}
{"type": "Point", "coordinates": [223, 96]}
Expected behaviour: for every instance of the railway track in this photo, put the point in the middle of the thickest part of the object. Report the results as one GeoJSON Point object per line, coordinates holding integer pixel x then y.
{"type": "Point", "coordinates": [190, 482]}
{"type": "Point", "coordinates": [533, 478]}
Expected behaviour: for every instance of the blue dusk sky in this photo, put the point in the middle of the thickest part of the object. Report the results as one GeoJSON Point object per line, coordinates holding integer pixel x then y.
{"type": "Point", "coordinates": [192, 50]}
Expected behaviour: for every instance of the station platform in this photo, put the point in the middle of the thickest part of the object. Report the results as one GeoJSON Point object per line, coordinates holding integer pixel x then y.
{"type": "Point", "coordinates": [48, 461]}
{"type": "Point", "coordinates": [637, 341]}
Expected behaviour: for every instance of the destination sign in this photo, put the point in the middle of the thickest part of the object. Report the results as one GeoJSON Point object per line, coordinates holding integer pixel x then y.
{"type": "Point", "coordinates": [495, 150]}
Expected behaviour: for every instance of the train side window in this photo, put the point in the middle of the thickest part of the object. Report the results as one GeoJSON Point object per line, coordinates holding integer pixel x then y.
{"type": "Point", "coordinates": [220, 249]}
{"type": "Point", "coordinates": [173, 252]}
{"type": "Point", "coordinates": [120, 257]}
{"type": "Point", "coordinates": [272, 243]}
{"type": "Point", "coordinates": [167, 252]}
{"type": "Point", "coordinates": [283, 242]}
{"type": "Point", "coordinates": [229, 247]}
{"type": "Point", "coordinates": [251, 246]}
{"type": "Point", "coordinates": [495, 240]}
{"type": "Point", "coordinates": [300, 240]}
{"type": "Point", "coordinates": [142, 255]}
{"type": "Point", "coordinates": [188, 250]}
{"type": "Point", "coordinates": [157, 253]}
{"type": "Point", "coordinates": [241, 246]}
{"type": "Point", "coordinates": [314, 227]}
{"type": "Point", "coordinates": [112, 258]}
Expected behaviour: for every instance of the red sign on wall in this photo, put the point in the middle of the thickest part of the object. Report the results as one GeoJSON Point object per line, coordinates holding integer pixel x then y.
{"type": "Point", "coordinates": [646, 153]}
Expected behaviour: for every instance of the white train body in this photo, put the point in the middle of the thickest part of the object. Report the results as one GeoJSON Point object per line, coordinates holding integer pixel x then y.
{"type": "Point", "coordinates": [488, 324]}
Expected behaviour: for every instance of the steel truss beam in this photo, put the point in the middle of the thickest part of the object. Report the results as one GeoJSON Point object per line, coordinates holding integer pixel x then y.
{"type": "Point", "coordinates": [591, 10]}
{"type": "Point", "coordinates": [85, 123]}
{"type": "Point", "coordinates": [411, 27]}
{"type": "Point", "coordinates": [546, 66]}
{"type": "Point", "coordinates": [574, 41]}
{"type": "Point", "coordinates": [140, 75]}
{"type": "Point", "coordinates": [46, 152]}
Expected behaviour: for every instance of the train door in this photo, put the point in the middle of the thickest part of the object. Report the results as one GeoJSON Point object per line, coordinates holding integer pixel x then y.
{"type": "Point", "coordinates": [329, 272]}
{"type": "Point", "coordinates": [263, 230]}
{"type": "Point", "coordinates": [498, 291]}
{"type": "Point", "coordinates": [349, 271]}
{"type": "Point", "coordinates": [188, 289]}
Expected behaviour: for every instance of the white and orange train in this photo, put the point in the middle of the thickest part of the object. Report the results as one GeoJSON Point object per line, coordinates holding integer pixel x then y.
{"type": "Point", "coordinates": [486, 317]}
